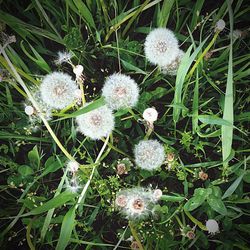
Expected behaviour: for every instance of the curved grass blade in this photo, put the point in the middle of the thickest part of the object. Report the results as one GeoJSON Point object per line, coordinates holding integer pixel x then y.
{"type": "Point", "coordinates": [66, 229]}
{"type": "Point", "coordinates": [228, 112]}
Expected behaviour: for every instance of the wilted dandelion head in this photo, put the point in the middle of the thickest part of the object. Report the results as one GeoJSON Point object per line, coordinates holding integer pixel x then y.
{"type": "Point", "coordinates": [149, 154]}
{"type": "Point", "coordinates": [161, 46]}
{"type": "Point", "coordinates": [135, 203]}
{"type": "Point", "coordinates": [97, 123]}
{"type": "Point", "coordinates": [157, 194]}
{"type": "Point", "coordinates": [120, 91]}
{"type": "Point", "coordinates": [72, 166]}
{"type": "Point", "coordinates": [58, 90]}
{"type": "Point", "coordinates": [63, 56]}
{"type": "Point", "coordinates": [172, 67]}
{"type": "Point", "coordinates": [121, 200]}
{"type": "Point", "coordinates": [212, 226]}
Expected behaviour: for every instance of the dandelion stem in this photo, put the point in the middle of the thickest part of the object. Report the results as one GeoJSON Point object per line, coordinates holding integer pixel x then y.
{"type": "Point", "coordinates": [135, 235]}
{"type": "Point", "coordinates": [195, 221]}
{"type": "Point", "coordinates": [34, 103]}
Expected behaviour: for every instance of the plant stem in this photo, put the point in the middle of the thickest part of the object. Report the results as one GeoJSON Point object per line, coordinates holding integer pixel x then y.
{"type": "Point", "coordinates": [135, 235]}
{"type": "Point", "coordinates": [203, 54]}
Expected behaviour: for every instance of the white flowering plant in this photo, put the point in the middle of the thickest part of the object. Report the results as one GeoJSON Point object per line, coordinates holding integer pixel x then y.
{"type": "Point", "coordinates": [124, 124]}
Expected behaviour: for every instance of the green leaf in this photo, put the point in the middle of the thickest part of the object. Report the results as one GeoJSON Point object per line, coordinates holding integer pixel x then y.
{"type": "Point", "coordinates": [25, 170]}
{"type": "Point", "coordinates": [164, 13]}
{"type": "Point", "coordinates": [217, 204]}
{"type": "Point", "coordinates": [199, 197]}
{"type": "Point", "coordinates": [57, 201]}
{"type": "Point", "coordinates": [209, 119]}
{"type": "Point", "coordinates": [94, 105]}
{"type": "Point", "coordinates": [85, 13]}
{"type": "Point", "coordinates": [233, 187]}
{"type": "Point", "coordinates": [34, 158]}
{"type": "Point", "coordinates": [51, 165]}
{"type": "Point", "coordinates": [172, 198]}
{"type": "Point", "coordinates": [228, 111]}
{"type": "Point", "coordinates": [66, 229]}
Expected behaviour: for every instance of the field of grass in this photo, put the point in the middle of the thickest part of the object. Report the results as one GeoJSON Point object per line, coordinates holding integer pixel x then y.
{"type": "Point", "coordinates": [63, 186]}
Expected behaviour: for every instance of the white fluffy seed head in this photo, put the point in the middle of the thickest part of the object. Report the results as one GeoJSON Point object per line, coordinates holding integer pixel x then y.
{"type": "Point", "coordinates": [149, 154]}
{"type": "Point", "coordinates": [220, 25]}
{"type": "Point", "coordinates": [78, 69]}
{"type": "Point", "coordinates": [212, 226]}
{"type": "Point", "coordinates": [63, 56]}
{"type": "Point", "coordinates": [97, 123]}
{"type": "Point", "coordinates": [172, 68]}
{"type": "Point", "coordinates": [161, 46]}
{"type": "Point", "coordinates": [29, 110]}
{"type": "Point", "coordinates": [72, 166]}
{"type": "Point", "coordinates": [58, 90]}
{"type": "Point", "coordinates": [120, 91]}
{"type": "Point", "coordinates": [157, 194]}
{"type": "Point", "coordinates": [135, 203]}
{"type": "Point", "coordinates": [150, 115]}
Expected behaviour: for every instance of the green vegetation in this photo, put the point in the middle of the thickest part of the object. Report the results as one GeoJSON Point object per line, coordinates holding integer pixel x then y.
{"type": "Point", "coordinates": [203, 125]}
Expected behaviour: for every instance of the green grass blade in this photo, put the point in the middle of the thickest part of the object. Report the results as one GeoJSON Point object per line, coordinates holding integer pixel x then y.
{"type": "Point", "coordinates": [162, 19]}
{"type": "Point", "coordinates": [233, 187]}
{"type": "Point", "coordinates": [228, 112]}
{"type": "Point", "coordinates": [57, 201]}
{"type": "Point", "coordinates": [85, 13]}
{"type": "Point", "coordinates": [66, 229]}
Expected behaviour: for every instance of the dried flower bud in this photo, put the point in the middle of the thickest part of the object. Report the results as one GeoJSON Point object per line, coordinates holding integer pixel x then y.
{"type": "Point", "coordinates": [203, 176]}
{"type": "Point", "coordinates": [170, 157]}
{"type": "Point", "coordinates": [121, 201]}
{"type": "Point", "coordinates": [157, 194]}
{"type": "Point", "coordinates": [190, 235]}
{"type": "Point", "coordinates": [208, 55]}
{"type": "Point", "coordinates": [121, 169]}
{"type": "Point", "coordinates": [134, 245]}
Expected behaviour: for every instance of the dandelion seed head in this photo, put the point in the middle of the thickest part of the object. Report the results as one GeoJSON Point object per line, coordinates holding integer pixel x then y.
{"type": "Point", "coordinates": [73, 185]}
{"type": "Point", "coordinates": [63, 56]}
{"type": "Point", "coordinates": [157, 194]}
{"type": "Point", "coordinates": [78, 69]}
{"type": "Point", "coordinates": [220, 25]}
{"type": "Point", "coordinates": [29, 110]}
{"type": "Point", "coordinates": [57, 90]}
{"type": "Point", "coordinates": [149, 154]}
{"type": "Point", "coordinates": [97, 123]}
{"type": "Point", "coordinates": [172, 67]}
{"type": "Point", "coordinates": [150, 115]}
{"type": "Point", "coordinates": [120, 91]}
{"type": "Point", "coordinates": [135, 203]}
{"type": "Point", "coordinates": [121, 201]}
{"type": "Point", "coordinates": [212, 226]}
{"type": "Point", "coordinates": [161, 46]}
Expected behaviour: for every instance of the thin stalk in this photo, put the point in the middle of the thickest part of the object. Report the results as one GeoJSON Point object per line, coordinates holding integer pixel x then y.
{"type": "Point", "coordinates": [203, 54]}
{"type": "Point", "coordinates": [135, 235]}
